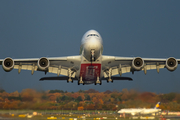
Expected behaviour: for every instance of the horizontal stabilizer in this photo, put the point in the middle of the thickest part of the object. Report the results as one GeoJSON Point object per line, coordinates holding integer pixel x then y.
{"type": "Point", "coordinates": [57, 78]}
{"type": "Point", "coordinates": [119, 78]}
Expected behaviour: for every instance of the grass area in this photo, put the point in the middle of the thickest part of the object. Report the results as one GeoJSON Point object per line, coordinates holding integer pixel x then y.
{"type": "Point", "coordinates": [59, 111]}
{"type": "Point", "coordinates": [64, 115]}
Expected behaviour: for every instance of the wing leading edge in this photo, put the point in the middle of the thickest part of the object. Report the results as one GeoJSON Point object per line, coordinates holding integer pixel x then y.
{"type": "Point", "coordinates": [118, 65]}
{"type": "Point", "coordinates": [57, 65]}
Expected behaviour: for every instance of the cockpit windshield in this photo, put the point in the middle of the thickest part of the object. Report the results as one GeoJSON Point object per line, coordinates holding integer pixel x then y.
{"type": "Point", "coordinates": [92, 35]}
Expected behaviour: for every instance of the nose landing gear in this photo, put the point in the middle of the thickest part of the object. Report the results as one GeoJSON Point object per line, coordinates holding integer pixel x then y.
{"type": "Point", "coordinates": [92, 55]}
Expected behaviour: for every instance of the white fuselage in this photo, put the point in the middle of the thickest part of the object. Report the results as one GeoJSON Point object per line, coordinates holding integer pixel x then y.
{"type": "Point", "coordinates": [91, 53]}
{"type": "Point", "coordinates": [134, 111]}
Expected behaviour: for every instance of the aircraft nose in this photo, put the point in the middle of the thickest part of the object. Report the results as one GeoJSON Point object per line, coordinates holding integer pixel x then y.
{"type": "Point", "coordinates": [93, 44]}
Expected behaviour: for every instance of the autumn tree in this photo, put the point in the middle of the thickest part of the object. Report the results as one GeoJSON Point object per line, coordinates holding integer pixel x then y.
{"type": "Point", "coordinates": [148, 97]}
{"type": "Point", "coordinates": [107, 92]}
{"type": "Point", "coordinates": [91, 91]}
{"type": "Point", "coordinates": [28, 94]}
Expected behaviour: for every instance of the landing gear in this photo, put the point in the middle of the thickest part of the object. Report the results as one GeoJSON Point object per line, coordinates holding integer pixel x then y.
{"type": "Point", "coordinates": [69, 74]}
{"type": "Point", "coordinates": [110, 80]}
{"type": "Point", "coordinates": [92, 55]}
{"type": "Point", "coordinates": [98, 81]}
{"type": "Point", "coordinates": [109, 75]}
{"type": "Point", "coordinates": [70, 80]}
{"type": "Point", "coordinates": [80, 81]}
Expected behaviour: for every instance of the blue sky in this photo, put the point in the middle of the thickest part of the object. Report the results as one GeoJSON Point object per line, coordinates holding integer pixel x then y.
{"type": "Point", "coordinates": [34, 29]}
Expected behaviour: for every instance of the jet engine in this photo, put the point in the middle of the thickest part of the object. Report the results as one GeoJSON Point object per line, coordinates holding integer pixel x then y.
{"type": "Point", "coordinates": [171, 64]}
{"type": "Point", "coordinates": [43, 64]}
{"type": "Point", "coordinates": [137, 63]}
{"type": "Point", "coordinates": [8, 64]}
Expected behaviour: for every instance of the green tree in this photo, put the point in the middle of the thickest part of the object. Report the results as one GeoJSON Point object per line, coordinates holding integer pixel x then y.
{"type": "Point", "coordinates": [78, 99]}
{"type": "Point", "coordinates": [44, 97]}
{"type": "Point", "coordinates": [87, 97]}
{"type": "Point", "coordinates": [56, 91]}
{"type": "Point", "coordinates": [169, 96]}
{"type": "Point", "coordinates": [81, 91]}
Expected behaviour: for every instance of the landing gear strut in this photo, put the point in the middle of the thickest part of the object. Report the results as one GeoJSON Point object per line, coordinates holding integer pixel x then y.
{"type": "Point", "coordinates": [69, 74]}
{"type": "Point", "coordinates": [80, 81]}
{"type": "Point", "coordinates": [92, 55]}
{"type": "Point", "coordinates": [98, 81]}
{"type": "Point", "coordinates": [109, 75]}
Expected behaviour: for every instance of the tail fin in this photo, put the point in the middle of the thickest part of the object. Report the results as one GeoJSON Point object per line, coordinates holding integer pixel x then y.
{"type": "Point", "coordinates": [157, 105]}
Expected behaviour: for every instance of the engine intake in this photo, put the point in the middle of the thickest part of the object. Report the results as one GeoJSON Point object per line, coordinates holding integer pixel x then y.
{"type": "Point", "coordinates": [137, 63]}
{"type": "Point", "coordinates": [8, 64]}
{"type": "Point", "coordinates": [171, 64]}
{"type": "Point", "coordinates": [43, 64]}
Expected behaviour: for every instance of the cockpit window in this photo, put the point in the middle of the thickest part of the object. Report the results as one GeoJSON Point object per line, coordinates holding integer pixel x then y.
{"type": "Point", "coordinates": [92, 35]}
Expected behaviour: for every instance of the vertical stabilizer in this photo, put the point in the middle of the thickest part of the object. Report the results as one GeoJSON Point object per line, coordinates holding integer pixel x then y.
{"type": "Point", "coordinates": [157, 105]}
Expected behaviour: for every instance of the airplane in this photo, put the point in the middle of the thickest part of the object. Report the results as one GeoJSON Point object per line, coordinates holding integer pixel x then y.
{"type": "Point", "coordinates": [90, 66]}
{"type": "Point", "coordinates": [135, 111]}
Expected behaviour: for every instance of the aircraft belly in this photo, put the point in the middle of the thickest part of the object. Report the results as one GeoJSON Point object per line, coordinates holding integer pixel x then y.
{"type": "Point", "coordinates": [90, 72]}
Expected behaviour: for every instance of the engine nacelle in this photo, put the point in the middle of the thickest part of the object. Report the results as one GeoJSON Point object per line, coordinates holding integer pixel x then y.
{"type": "Point", "coordinates": [8, 64]}
{"type": "Point", "coordinates": [171, 64]}
{"type": "Point", "coordinates": [137, 63]}
{"type": "Point", "coordinates": [43, 64]}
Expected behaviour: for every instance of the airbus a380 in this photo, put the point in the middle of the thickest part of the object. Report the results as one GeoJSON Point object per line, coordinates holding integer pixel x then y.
{"type": "Point", "coordinates": [90, 67]}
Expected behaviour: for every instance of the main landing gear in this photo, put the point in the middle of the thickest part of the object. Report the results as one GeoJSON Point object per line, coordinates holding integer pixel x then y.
{"type": "Point", "coordinates": [109, 75]}
{"type": "Point", "coordinates": [80, 81]}
{"type": "Point", "coordinates": [69, 75]}
{"type": "Point", "coordinates": [96, 82]}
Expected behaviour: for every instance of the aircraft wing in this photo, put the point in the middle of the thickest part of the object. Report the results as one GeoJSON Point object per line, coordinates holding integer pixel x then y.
{"type": "Point", "coordinates": [57, 65]}
{"type": "Point", "coordinates": [120, 65]}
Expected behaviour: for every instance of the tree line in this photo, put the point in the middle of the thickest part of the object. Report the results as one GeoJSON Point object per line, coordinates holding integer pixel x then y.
{"type": "Point", "coordinates": [86, 100]}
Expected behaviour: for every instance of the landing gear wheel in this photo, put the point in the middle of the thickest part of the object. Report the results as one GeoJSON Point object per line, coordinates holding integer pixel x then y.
{"type": "Point", "coordinates": [78, 83]}
{"type": "Point", "coordinates": [94, 83]}
{"type": "Point", "coordinates": [72, 81]}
